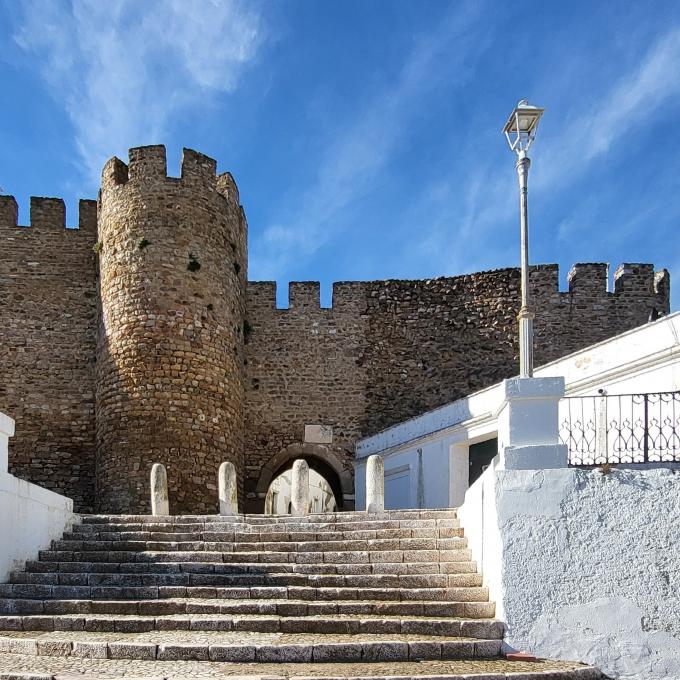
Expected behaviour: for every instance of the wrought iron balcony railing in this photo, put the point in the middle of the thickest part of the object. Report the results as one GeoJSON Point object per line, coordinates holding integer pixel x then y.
{"type": "Point", "coordinates": [621, 428]}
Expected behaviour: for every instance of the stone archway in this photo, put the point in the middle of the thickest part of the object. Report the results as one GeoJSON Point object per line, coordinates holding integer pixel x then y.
{"type": "Point", "coordinates": [326, 460]}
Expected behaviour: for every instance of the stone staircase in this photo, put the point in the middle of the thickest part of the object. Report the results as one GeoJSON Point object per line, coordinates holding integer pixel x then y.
{"type": "Point", "coordinates": [393, 594]}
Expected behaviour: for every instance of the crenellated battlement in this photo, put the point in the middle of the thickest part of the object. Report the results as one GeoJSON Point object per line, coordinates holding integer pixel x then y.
{"type": "Point", "coordinates": [48, 215]}
{"type": "Point", "coordinates": [585, 280]}
{"type": "Point", "coordinates": [149, 164]}
{"type": "Point", "coordinates": [588, 278]}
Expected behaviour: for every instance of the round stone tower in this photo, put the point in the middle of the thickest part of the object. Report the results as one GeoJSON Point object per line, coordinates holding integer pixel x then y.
{"type": "Point", "coordinates": [170, 350]}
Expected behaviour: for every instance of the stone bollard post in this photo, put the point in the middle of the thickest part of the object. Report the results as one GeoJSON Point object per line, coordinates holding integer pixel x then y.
{"type": "Point", "coordinates": [299, 496]}
{"type": "Point", "coordinates": [375, 484]}
{"type": "Point", "coordinates": [159, 490]}
{"type": "Point", "coordinates": [228, 490]}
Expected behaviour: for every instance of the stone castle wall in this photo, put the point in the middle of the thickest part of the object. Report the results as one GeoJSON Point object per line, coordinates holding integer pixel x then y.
{"type": "Point", "coordinates": [389, 350]}
{"type": "Point", "coordinates": [170, 345]}
{"type": "Point", "coordinates": [135, 355]}
{"type": "Point", "coordinates": [48, 301]}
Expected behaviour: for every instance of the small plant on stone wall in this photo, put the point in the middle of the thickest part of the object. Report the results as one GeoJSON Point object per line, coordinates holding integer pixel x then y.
{"type": "Point", "coordinates": [194, 265]}
{"type": "Point", "coordinates": [143, 243]}
{"type": "Point", "coordinates": [237, 268]}
{"type": "Point", "coordinates": [606, 468]}
{"type": "Point", "coordinates": [98, 247]}
{"type": "Point", "coordinates": [210, 306]}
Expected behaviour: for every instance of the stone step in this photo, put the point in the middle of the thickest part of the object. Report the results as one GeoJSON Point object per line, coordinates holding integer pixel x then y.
{"type": "Point", "coordinates": [286, 579]}
{"type": "Point", "coordinates": [330, 623]}
{"type": "Point", "coordinates": [199, 544]}
{"type": "Point", "coordinates": [157, 524]}
{"type": "Point", "coordinates": [22, 667]}
{"type": "Point", "coordinates": [287, 607]}
{"type": "Point", "coordinates": [90, 532]}
{"type": "Point", "coordinates": [210, 567]}
{"type": "Point", "coordinates": [243, 646]}
{"type": "Point", "coordinates": [317, 518]}
{"type": "Point", "coordinates": [33, 591]}
{"type": "Point", "coordinates": [339, 557]}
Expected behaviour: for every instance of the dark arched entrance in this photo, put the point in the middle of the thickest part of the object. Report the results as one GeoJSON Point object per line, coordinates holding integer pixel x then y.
{"type": "Point", "coordinates": [326, 460]}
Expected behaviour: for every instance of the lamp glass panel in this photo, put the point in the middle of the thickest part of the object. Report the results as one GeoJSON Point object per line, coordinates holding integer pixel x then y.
{"type": "Point", "coordinates": [527, 122]}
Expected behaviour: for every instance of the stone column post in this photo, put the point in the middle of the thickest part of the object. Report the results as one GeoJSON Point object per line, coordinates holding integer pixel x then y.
{"type": "Point", "coordinates": [375, 484]}
{"type": "Point", "coordinates": [528, 424]}
{"type": "Point", "coordinates": [300, 488]}
{"type": "Point", "coordinates": [159, 490]}
{"type": "Point", "coordinates": [6, 431]}
{"type": "Point", "coordinates": [228, 490]}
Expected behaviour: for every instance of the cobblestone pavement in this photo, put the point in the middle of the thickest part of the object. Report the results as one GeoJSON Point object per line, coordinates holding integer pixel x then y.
{"type": "Point", "coordinates": [44, 668]}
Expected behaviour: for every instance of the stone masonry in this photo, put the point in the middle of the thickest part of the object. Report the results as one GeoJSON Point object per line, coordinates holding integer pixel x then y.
{"type": "Point", "coordinates": [137, 339]}
{"type": "Point", "coordinates": [170, 345]}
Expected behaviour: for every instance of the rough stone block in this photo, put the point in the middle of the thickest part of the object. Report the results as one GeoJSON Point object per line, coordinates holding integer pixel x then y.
{"type": "Point", "coordinates": [384, 651]}
{"type": "Point", "coordinates": [458, 649]}
{"type": "Point", "coordinates": [232, 653]}
{"type": "Point", "coordinates": [424, 650]}
{"type": "Point", "coordinates": [132, 650]}
{"type": "Point", "coordinates": [336, 652]}
{"type": "Point", "coordinates": [284, 654]}
{"type": "Point", "coordinates": [182, 652]}
{"type": "Point", "coordinates": [54, 647]}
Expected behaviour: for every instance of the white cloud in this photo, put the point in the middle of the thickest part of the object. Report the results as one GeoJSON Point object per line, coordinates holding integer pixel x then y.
{"type": "Point", "coordinates": [473, 209]}
{"type": "Point", "coordinates": [122, 69]}
{"type": "Point", "coordinates": [364, 146]}
{"type": "Point", "coordinates": [629, 107]}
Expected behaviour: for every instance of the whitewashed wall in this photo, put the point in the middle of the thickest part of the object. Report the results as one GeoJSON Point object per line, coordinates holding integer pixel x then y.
{"type": "Point", "coordinates": [646, 359]}
{"type": "Point", "coordinates": [30, 516]}
{"type": "Point", "coordinates": [590, 564]}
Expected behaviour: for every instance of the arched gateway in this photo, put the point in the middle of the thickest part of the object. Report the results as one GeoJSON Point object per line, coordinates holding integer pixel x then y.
{"type": "Point", "coordinates": [326, 460]}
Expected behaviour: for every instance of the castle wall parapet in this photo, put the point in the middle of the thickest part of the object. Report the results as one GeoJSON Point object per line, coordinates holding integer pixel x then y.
{"type": "Point", "coordinates": [48, 214]}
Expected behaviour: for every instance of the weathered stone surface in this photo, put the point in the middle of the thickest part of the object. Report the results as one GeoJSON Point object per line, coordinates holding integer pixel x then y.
{"type": "Point", "coordinates": [375, 485]}
{"type": "Point", "coordinates": [89, 649]}
{"type": "Point", "coordinates": [160, 504]}
{"type": "Point", "coordinates": [228, 489]}
{"type": "Point", "coordinates": [300, 488]}
{"type": "Point", "coordinates": [170, 355]}
{"type": "Point", "coordinates": [131, 650]}
{"type": "Point", "coordinates": [54, 647]}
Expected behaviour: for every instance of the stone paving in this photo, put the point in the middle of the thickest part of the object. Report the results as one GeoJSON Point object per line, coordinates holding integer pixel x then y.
{"type": "Point", "coordinates": [389, 594]}
{"type": "Point", "coordinates": [43, 668]}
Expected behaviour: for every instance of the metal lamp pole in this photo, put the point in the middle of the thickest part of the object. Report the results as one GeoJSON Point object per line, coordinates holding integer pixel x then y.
{"type": "Point", "coordinates": [520, 131]}
{"type": "Point", "coordinates": [526, 314]}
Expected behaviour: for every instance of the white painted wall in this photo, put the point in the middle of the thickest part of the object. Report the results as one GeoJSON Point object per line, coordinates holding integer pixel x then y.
{"type": "Point", "coordinates": [590, 564]}
{"type": "Point", "coordinates": [479, 519]}
{"type": "Point", "coordinates": [30, 516]}
{"type": "Point", "coordinates": [646, 359]}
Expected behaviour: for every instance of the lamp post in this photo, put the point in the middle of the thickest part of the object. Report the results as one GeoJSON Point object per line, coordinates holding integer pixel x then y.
{"type": "Point", "coordinates": [520, 131]}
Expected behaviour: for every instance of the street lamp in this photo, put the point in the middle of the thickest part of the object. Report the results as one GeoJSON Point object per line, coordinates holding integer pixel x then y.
{"type": "Point", "coordinates": [520, 131]}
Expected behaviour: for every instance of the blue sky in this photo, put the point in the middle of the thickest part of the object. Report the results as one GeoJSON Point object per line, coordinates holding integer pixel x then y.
{"type": "Point", "coordinates": [364, 135]}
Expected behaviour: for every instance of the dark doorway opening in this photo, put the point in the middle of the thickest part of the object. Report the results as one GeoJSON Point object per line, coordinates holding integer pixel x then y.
{"type": "Point", "coordinates": [481, 455]}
